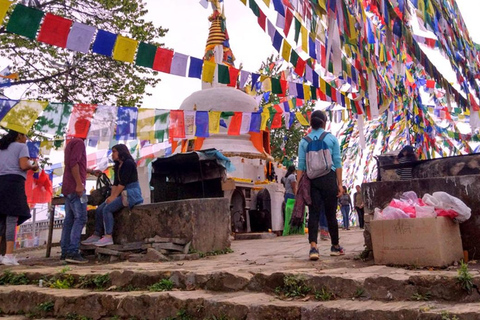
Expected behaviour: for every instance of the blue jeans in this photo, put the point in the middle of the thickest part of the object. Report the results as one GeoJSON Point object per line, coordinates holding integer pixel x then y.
{"type": "Point", "coordinates": [75, 219]}
{"type": "Point", "coordinates": [104, 216]}
{"type": "Point", "coordinates": [346, 215]}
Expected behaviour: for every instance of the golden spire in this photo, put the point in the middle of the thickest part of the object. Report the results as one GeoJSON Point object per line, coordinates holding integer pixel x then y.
{"type": "Point", "coordinates": [218, 35]}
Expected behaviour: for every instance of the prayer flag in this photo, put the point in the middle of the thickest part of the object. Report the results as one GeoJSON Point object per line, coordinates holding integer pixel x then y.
{"type": "Point", "coordinates": [55, 30]}
{"type": "Point", "coordinates": [300, 67]}
{"type": "Point", "coordinates": [127, 123]}
{"type": "Point", "coordinates": [254, 7]}
{"type": "Point", "coordinates": [4, 6]}
{"type": "Point", "coordinates": [202, 124]}
{"type": "Point", "coordinates": [80, 37]}
{"type": "Point", "coordinates": [276, 88]}
{"type": "Point", "coordinates": [265, 117]}
{"type": "Point", "coordinates": [261, 19]}
{"type": "Point", "coordinates": [246, 119]}
{"type": "Point", "coordinates": [243, 78]}
{"type": "Point", "coordinates": [235, 124]}
{"type": "Point", "coordinates": [124, 49]}
{"type": "Point", "coordinates": [54, 119]}
{"type": "Point", "coordinates": [104, 43]}
{"type": "Point", "coordinates": [25, 21]}
{"type": "Point", "coordinates": [22, 116]}
{"type": "Point", "coordinates": [80, 119]}
{"type": "Point", "coordinates": [145, 55]}
{"type": "Point", "coordinates": [195, 70]}
{"type": "Point", "coordinates": [305, 37]}
{"type": "Point", "coordinates": [146, 124]}
{"type": "Point", "coordinates": [5, 106]}
{"type": "Point", "coordinates": [286, 50]}
{"type": "Point", "coordinates": [214, 121]}
{"type": "Point", "coordinates": [288, 22]}
{"type": "Point", "coordinates": [176, 126]}
{"type": "Point", "coordinates": [278, 5]}
{"type": "Point", "coordinates": [163, 60]}
{"type": "Point", "coordinates": [102, 126]}
{"type": "Point", "coordinates": [277, 117]}
{"type": "Point", "coordinates": [255, 122]}
{"type": "Point", "coordinates": [233, 72]}
{"type": "Point", "coordinates": [179, 64]}
{"type": "Point", "coordinates": [277, 41]}
{"type": "Point", "coordinates": [301, 118]}
{"type": "Point", "coordinates": [161, 124]}
{"type": "Point", "coordinates": [223, 74]}
{"type": "Point", "coordinates": [208, 71]}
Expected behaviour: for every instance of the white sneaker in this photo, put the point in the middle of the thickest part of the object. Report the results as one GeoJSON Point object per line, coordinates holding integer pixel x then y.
{"type": "Point", "coordinates": [10, 261]}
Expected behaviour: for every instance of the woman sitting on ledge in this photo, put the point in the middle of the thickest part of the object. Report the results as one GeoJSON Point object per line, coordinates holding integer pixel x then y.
{"type": "Point", "coordinates": [125, 192]}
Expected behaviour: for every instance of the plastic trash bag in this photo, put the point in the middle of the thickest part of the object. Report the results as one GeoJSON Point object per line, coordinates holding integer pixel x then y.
{"type": "Point", "coordinates": [405, 206]}
{"type": "Point", "coordinates": [430, 200]}
{"type": "Point", "coordinates": [377, 214]}
{"type": "Point", "coordinates": [425, 212]}
{"type": "Point", "coordinates": [449, 202]}
{"type": "Point", "coordinates": [409, 197]}
{"type": "Point", "coordinates": [391, 213]}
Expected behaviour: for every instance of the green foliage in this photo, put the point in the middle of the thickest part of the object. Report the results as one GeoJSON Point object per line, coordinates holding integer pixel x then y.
{"type": "Point", "coordinates": [360, 292]}
{"type": "Point", "coordinates": [421, 297]}
{"type": "Point", "coordinates": [324, 295]}
{"type": "Point", "coordinates": [65, 269]}
{"type": "Point", "coordinates": [162, 285]}
{"type": "Point", "coordinates": [98, 282]}
{"type": "Point", "coordinates": [63, 75]}
{"type": "Point", "coordinates": [65, 281]}
{"type": "Point", "coordinates": [464, 278]}
{"type": "Point", "coordinates": [212, 253]}
{"type": "Point", "coordinates": [46, 306]}
{"type": "Point", "coordinates": [293, 286]}
{"type": "Point", "coordinates": [181, 315]}
{"type": "Point", "coordinates": [75, 316]}
{"type": "Point", "coordinates": [8, 277]}
{"type": "Point", "coordinates": [446, 316]}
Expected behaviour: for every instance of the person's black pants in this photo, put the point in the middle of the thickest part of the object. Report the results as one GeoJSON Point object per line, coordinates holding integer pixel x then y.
{"type": "Point", "coordinates": [323, 191]}
{"type": "Point", "coordinates": [361, 214]}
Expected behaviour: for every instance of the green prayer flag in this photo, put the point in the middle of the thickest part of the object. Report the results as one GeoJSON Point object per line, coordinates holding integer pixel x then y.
{"type": "Point", "coordinates": [25, 21]}
{"type": "Point", "coordinates": [146, 55]}
{"type": "Point", "coordinates": [223, 74]}
{"type": "Point", "coordinates": [227, 114]}
{"type": "Point", "coordinates": [54, 118]}
{"type": "Point", "coordinates": [276, 87]}
{"type": "Point", "coordinates": [298, 25]}
{"type": "Point", "coordinates": [313, 90]}
{"type": "Point", "coordinates": [253, 5]}
{"type": "Point", "coordinates": [294, 58]}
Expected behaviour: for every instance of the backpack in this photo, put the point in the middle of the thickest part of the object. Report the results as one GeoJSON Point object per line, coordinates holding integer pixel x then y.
{"type": "Point", "coordinates": [318, 157]}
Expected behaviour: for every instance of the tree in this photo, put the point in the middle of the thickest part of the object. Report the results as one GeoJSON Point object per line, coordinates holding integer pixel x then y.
{"type": "Point", "coordinates": [63, 75]}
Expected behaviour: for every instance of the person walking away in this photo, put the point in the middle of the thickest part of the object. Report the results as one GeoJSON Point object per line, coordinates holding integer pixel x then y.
{"type": "Point", "coordinates": [324, 189]}
{"type": "Point", "coordinates": [358, 204]}
{"type": "Point", "coordinates": [14, 210]}
{"type": "Point", "coordinates": [125, 193]}
{"type": "Point", "coordinates": [345, 206]}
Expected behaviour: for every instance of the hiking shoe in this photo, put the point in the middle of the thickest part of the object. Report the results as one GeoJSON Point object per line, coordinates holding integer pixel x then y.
{"type": "Point", "coordinates": [313, 255]}
{"type": "Point", "coordinates": [105, 241]}
{"type": "Point", "coordinates": [63, 256]}
{"type": "Point", "coordinates": [337, 251]}
{"type": "Point", "coordinates": [91, 240]}
{"type": "Point", "coordinates": [76, 258]}
{"type": "Point", "coordinates": [9, 261]}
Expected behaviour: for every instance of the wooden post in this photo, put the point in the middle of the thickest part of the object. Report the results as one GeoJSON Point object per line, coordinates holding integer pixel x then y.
{"type": "Point", "coordinates": [51, 220]}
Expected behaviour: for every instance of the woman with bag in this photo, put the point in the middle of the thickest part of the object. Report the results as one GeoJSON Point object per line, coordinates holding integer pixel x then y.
{"type": "Point", "coordinates": [125, 193]}
{"type": "Point", "coordinates": [14, 210]}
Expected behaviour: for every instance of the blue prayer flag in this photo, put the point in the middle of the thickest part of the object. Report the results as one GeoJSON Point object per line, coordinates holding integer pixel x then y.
{"type": "Point", "coordinates": [104, 43]}
{"type": "Point", "coordinates": [195, 70]}
{"type": "Point", "coordinates": [201, 124]}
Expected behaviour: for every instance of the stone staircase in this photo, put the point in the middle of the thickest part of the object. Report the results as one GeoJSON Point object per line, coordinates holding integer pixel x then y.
{"type": "Point", "coordinates": [262, 279]}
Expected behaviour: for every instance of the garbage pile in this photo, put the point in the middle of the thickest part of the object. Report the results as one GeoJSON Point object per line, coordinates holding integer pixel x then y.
{"type": "Point", "coordinates": [433, 205]}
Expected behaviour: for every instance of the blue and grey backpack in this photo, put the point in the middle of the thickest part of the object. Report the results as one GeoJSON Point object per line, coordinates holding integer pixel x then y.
{"type": "Point", "coordinates": [318, 157]}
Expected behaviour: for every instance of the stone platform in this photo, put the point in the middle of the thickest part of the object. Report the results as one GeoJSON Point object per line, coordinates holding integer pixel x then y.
{"type": "Point", "coordinates": [244, 285]}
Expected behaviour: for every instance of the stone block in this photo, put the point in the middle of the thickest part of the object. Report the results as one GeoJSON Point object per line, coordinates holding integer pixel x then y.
{"type": "Point", "coordinates": [203, 222]}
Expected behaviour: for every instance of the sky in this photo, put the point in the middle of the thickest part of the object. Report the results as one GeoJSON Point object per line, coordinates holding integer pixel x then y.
{"type": "Point", "coordinates": [188, 25]}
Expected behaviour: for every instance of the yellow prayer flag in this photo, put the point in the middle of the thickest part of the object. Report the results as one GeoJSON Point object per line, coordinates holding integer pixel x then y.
{"type": "Point", "coordinates": [267, 2]}
{"type": "Point", "coordinates": [124, 49]}
{"type": "Point", "coordinates": [291, 105]}
{"type": "Point", "coordinates": [267, 85]}
{"type": "Point", "coordinates": [146, 124]}
{"type": "Point", "coordinates": [214, 121]}
{"type": "Point", "coordinates": [286, 50]}
{"type": "Point", "coordinates": [4, 6]}
{"type": "Point", "coordinates": [244, 2]}
{"type": "Point", "coordinates": [265, 117]}
{"type": "Point", "coordinates": [208, 71]}
{"type": "Point", "coordinates": [323, 86]}
{"type": "Point", "coordinates": [349, 103]}
{"type": "Point", "coordinates": [409, 77]}
{"type": "Point", "coordinates": [307, 95]}
{"type": "Point", "coordinates": [467, 111]}
{"type": "Point", "coordinates": [323, 4]}
{"type": "Point", "coordinates": [22, 116]}
{"type": "Point", "coordinates": [45, 147]}
{"type": "Point", "coordinates": [301, 119]}
{"type": "Point", "coordinates": [304, 33]}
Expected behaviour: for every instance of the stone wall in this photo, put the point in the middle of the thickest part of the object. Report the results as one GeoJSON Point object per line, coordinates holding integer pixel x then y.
{"type": "Point", "coordinates": [466, 188]}
{"type": "Point", "coordinates": [205, 222]}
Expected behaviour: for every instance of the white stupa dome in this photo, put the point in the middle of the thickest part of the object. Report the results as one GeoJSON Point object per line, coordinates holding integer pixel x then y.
{"type": "Point", "coordinates": [220, 99]}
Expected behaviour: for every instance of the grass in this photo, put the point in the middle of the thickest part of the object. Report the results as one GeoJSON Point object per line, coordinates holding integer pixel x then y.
{"type": "Point", "coordinates": [65, 281]}
{"type": "Point", "coordinates": [293, 286]}
{"type": "Point", "coordinates": [464, 278]}
{"type": "Point", "coordinates": [98, 282]}
{"type": "Point", "coordinates": [46, 306]}
{"type": "Point", "coordinates": [324, 295]}
{"type": "Point", "coordinates": [8, 277]}
{"type": "Point", "coordinates": [360, 292]}
{"type": "Point", "coordinates": [162, 285]}
{"type": "Point", "coordinates": [421, 297]}
{"type": "Point", "coordinates": [446, 316]}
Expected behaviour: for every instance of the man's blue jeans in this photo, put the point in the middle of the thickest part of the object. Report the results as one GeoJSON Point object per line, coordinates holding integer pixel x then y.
{"type": "Point", "coordinates": [75, 219]}
{"type": "Point", "coordinates": [346, 215]}
{"type": "Point", "coordinates": [104, 216]}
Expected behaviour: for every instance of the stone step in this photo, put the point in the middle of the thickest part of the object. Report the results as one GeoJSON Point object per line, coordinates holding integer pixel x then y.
{"type": "Point", "coordinates": [36, 302]}
{"type": "Point", "coordinates": [344, 283]}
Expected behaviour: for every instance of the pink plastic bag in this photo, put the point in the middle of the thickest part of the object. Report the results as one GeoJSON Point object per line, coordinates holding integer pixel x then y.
{"type": "Point", "coordinates": [404, 206]}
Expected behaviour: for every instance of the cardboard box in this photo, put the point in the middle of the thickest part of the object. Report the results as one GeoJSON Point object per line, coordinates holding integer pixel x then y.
{"type": "Point", "coordinates": [428, 242]}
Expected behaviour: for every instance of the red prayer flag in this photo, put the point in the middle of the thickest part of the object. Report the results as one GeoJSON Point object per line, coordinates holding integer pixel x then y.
{"type": "Point", "coordinates": [233, 76]}
{"type": "Point", "coordinates": [300, 67]}
{"type": "Point", "coordinates": [283, 85]}
{"type": "Point", "coordinates": [235, 124]}
{"type": "Point", "coordinates": [277, 118]}
{"type": "Point", "coordinates": [474, 104]}
{"type": "Point", "coordinates": [288, 22]}
{"type": "Point", "coordinates": [430, 84]}
{"type": "Point", "coordinates": [55, 30]}
{"type": "Point", "coordinates": [262, 19]}
{"type": "Point", "coordinates": [163, 60]}
{"type": "Point", "coordinates": [176, 127]}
